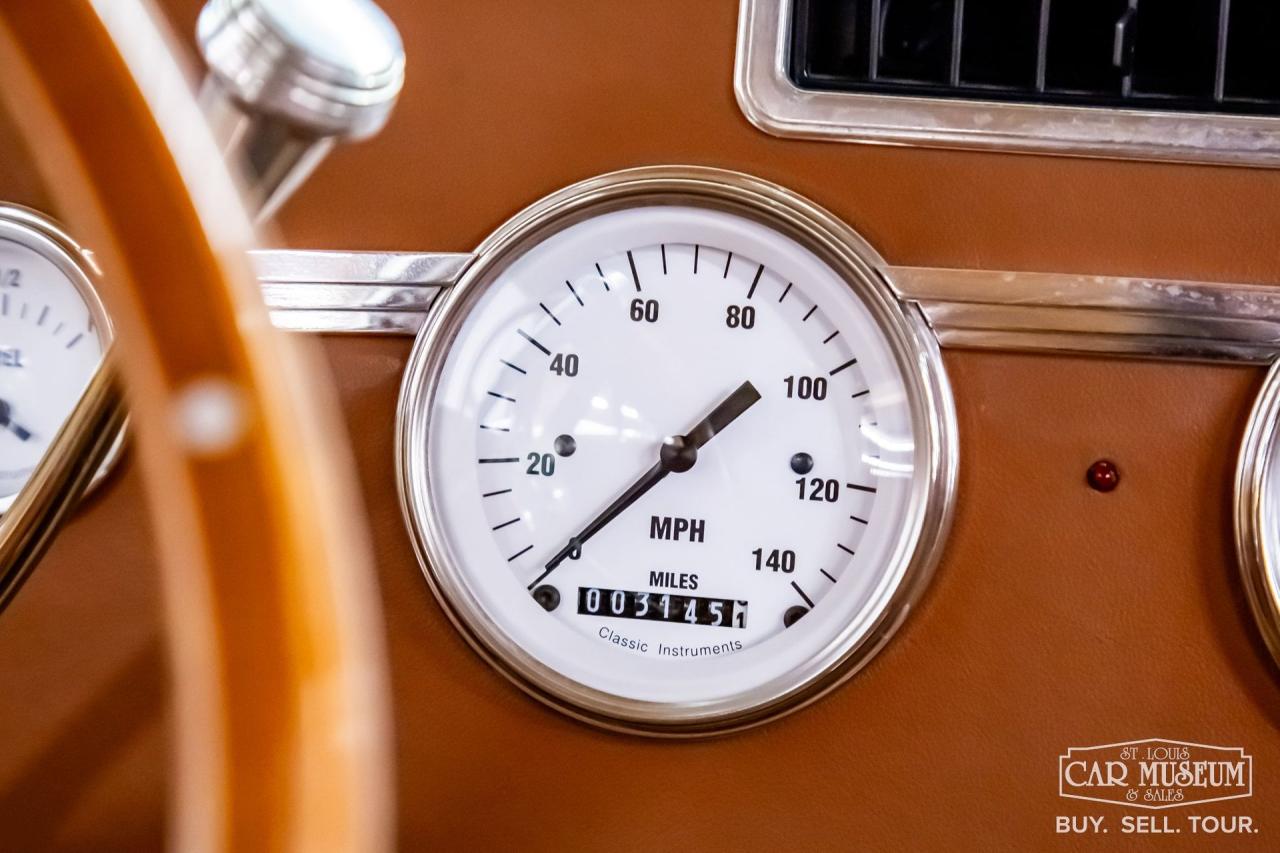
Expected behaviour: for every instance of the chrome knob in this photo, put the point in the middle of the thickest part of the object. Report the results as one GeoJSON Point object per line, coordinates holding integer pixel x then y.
{"type": "Point", "coordinates": [288, 78]}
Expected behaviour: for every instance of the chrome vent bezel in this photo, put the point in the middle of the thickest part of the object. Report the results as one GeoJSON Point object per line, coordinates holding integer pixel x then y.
{"type": "Point", "coordinates": [773, 102]}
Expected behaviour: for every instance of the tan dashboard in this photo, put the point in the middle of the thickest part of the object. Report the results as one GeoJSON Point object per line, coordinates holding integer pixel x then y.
{"type": "Point", "coordinates": [1059, 617]}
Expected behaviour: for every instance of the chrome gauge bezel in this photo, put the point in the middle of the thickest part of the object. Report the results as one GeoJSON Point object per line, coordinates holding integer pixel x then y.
{"type": "Point", "coordinates": [1257, 499]}
{"type": "Point", "coordinates": [45, 237]}
{"type": "Point", "coordinates": [914, 348]}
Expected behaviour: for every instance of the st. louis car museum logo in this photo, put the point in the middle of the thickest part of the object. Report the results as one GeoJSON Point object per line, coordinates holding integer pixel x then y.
{"type": "Point", "coordinates": [1155, 773]}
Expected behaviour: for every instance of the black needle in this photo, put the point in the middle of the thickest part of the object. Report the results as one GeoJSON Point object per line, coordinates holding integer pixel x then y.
{"type": "Point", "coordinates": [678, 453]}
{"type": "Point", "coordinates": [21, 432]}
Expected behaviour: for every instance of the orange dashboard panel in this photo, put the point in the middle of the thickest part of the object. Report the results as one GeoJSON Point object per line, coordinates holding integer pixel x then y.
{"type": "Point", "coordinates": [1039, 628]}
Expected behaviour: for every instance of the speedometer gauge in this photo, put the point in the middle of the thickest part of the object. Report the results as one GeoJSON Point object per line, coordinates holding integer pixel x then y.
{"type": "Point", "coordinates": [53, 331]}
{"type": "Point", "coordinates": [675, 457]}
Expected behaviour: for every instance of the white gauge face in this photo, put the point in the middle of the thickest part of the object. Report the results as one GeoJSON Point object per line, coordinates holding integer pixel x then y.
{"type": "Point", "coordinates": [51, 340]}
{"type": "Point", "coordinates": [671, 456]}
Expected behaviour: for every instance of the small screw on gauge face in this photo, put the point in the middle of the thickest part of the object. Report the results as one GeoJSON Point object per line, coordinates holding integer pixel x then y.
{"type": "Point", "coordinates": [1103, 475]}
{"type": "Point", "coordinates": [802, 463]}
{"type": "Point", "coordinates": [793, 614]}
{"type": "Point", "coordinates": [547, 596]}
{"type": "Point", "coordinates": [565, 445]}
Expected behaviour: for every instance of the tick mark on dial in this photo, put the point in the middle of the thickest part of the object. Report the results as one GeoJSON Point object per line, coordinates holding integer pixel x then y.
{"type": "Point", "coordinates": [44, 312]}
{"type": "Point", "coordinates": [501, 396]}
{"type": "Point", "coordinates": [565, 445]}
{"type": "Point", "coordinates": [514, 367]}
{"type": "Point", "coordinates": [531, 340]}
{"type": "Point", "coordinates": [696, 250]}
{"type": "Point", "coordinates": [574, 292]}
{"type": "Point", "coordinates": [495, 428]}
{"type": "Point", "coordinates": [634, 275]}
{"type": "Point", "coordinates": [507, 523]}
{"type": "Point", "coordinates": [829, 338]}
{"type": "Point", "coordinates": [850, 363]}
{"type": "Point", "coordinates": [846, 549]}
{"type": "Point", "coordinates": [751, 291]}
{"type": "Point", "coordinates": [827, 575]}
{"type": "Point", "coordinates": [871, 489]}
{"type": "Point", "coordinates": [498, 459]}
{"type": "Point", "coordinates": [859, 520]}
{"type": "Point", "coordinates": [549, 314]}
{"type": "Point", "coordinates": [861, 393]}
{"type": "Point", "coordinates": [495, 494]}
{"type": "Point", "coordinates": [808, 314]}
{"type": "Point", "coordinates": [793, 614]}
{"type": "Point", "coordinates": [801, 463]}
{"type": "Point", "coordinates": [663, 246]}
{"type": "Point", "coordinates": [75, 340]}
{"type": "Point", "coordinates": [526, 549]}
{"type": "Point", "coordinates": [603, 279]}
{"type": "Point", "coordinates": [727, 261]}
{"type": "Point", "coordinates": [785, 291]}
{"type": "Point", "coordinates": [807, 599]}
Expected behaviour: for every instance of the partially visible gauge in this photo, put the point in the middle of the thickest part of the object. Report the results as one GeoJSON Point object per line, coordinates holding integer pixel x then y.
{"type": "Point", "coordinates": [675, 457]}
{"type": "Point", "coordinates": [53, 332]}
{"type": "Point", "coordinates": [1257, 510]}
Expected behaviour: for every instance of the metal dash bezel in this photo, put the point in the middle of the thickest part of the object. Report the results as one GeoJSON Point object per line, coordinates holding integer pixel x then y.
{"type": "Point", "coordinates": [1257, 489]}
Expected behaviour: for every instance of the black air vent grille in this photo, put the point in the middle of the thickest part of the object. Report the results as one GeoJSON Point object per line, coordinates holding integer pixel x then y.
{"type": "Point", "coordinates": [1185, 55]}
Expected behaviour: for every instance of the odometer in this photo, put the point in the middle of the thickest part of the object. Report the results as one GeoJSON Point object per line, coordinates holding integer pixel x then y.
{"type": "Point", "coordinates": [660, 401]}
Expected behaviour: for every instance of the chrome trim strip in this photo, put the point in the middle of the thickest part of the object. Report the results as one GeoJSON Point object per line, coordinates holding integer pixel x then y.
{"type": "Point", "coordinates": [774, 104]}
{"type": "Point", "coordinates": [1095, 314]}
{"type": "Point", "coordinates": [346, 292]}
{"type": "Point", "coordinates": [391, 292]}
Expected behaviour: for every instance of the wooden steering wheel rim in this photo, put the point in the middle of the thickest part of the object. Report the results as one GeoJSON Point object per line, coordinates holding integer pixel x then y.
{"type": "Point", "coordinates": [275, 642]}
